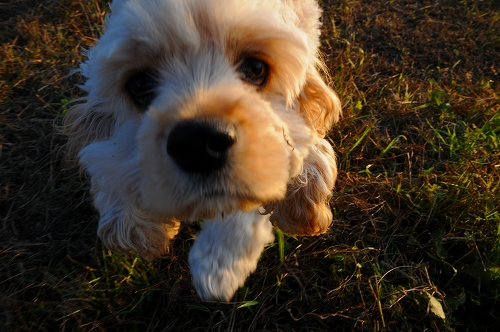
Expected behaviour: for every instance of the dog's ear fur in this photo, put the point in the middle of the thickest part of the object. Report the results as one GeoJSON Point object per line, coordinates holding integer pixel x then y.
{"type": "Point", "coordinates": [305, 210]}
{"type": "Point", "coordinates": [85, 123]}
{"type": "Point", "coordinates": [319, 104]}
{"type": "Point", "coordinates": [123, 228]}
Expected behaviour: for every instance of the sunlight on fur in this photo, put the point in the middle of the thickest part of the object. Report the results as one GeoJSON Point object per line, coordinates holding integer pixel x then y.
{"type": "Point", "coordinates": [210, 110]}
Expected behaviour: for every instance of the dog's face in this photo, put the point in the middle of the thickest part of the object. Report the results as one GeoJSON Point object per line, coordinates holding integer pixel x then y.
{"type": "Point", "coordinates": [201, 107]}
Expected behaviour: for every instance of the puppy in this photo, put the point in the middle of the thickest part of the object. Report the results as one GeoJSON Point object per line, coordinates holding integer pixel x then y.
{"type": "Point", "coordinates": [207, 110]}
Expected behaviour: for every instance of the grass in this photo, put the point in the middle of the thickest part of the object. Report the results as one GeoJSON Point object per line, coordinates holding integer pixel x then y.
{"type": "Point", "coordinates": [416, 240]}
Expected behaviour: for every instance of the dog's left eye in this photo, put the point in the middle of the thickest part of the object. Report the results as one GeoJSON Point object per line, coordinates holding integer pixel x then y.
{"type": "Point", "coordinates": [254, 71]}
{"type": "Point", "coordinates": [141, 88]}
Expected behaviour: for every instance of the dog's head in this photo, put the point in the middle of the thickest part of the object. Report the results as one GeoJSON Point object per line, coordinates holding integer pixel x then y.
{"type": "Point", "coordinates": [200, 107]}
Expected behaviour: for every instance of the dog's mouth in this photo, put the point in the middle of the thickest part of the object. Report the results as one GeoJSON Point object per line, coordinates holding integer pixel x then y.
{"type": "Point", "coordinates": [215, 192]}
{"type": "Point", "coordinates": [209, 187]}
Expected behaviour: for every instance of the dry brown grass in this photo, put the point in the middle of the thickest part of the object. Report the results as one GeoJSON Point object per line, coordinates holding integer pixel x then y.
{"type": "Point", "coordinates": [416, 202]}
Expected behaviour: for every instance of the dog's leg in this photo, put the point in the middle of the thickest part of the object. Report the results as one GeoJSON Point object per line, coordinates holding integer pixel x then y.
{"type": "Point", "coordinates": [226, 252]}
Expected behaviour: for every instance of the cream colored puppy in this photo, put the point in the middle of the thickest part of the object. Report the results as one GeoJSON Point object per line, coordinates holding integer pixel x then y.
{"type": "Point", "coordinates": [207, 109]}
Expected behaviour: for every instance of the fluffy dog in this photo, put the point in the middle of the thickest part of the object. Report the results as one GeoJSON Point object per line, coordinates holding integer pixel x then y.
{"type": "Point", "coordinates": [207, 109]}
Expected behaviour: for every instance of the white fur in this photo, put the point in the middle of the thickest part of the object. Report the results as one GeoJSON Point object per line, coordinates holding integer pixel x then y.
{"type": "Point", "coordinates": [279, 161]}
{"type": "Point", "coordinates": [226, 252]}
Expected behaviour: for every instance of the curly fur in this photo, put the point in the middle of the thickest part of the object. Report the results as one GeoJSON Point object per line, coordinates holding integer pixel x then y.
{"type": "Point", "coordinates": [279, 167]}
{"type": "Point", "coordinates": [305, 210]}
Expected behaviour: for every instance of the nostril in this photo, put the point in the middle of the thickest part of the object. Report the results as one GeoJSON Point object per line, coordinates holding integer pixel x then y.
{"type": "Point", "coordinates": [201, 145]}
{"type": "Point", "coordinates": [219, 143]}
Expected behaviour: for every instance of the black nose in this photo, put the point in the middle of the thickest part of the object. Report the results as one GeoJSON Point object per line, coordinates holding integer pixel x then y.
{"type": "Point", "coordinates": [201, 145]}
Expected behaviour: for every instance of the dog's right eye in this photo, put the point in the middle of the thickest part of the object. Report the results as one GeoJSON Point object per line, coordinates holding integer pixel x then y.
{"type": "Point", "coordinates": [142, 88]}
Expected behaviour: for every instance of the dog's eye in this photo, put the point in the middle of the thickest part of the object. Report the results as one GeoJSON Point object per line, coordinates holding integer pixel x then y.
{"type": "Point", "coordinates": [254, 71]}
{"type": "Point", "coordinates": [141, 88]}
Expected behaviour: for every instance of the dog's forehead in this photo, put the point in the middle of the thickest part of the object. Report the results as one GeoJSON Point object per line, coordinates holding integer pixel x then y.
{"type": "Point", "coordinates": [170, 26]}
{"type": "Point", "coordinates": [193, 41]}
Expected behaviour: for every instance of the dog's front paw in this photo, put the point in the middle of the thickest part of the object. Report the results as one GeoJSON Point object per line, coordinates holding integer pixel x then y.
{"type": "Point", "coordinates": [226, 252]}
{"type": "Point", "coordinates": [215, 279]}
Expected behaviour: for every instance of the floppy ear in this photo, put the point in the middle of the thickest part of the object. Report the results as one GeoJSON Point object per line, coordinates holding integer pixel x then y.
{"type": "Point", "coordinates": [85, 123]}
{"type": "Point", "coordinates": [305, 210]}
{"type": "Point", "coordinates": [319, 105]}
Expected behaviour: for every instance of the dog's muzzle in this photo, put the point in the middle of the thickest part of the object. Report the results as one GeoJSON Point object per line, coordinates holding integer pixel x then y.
{"type": "Point", "coordinates": [201, 145]}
